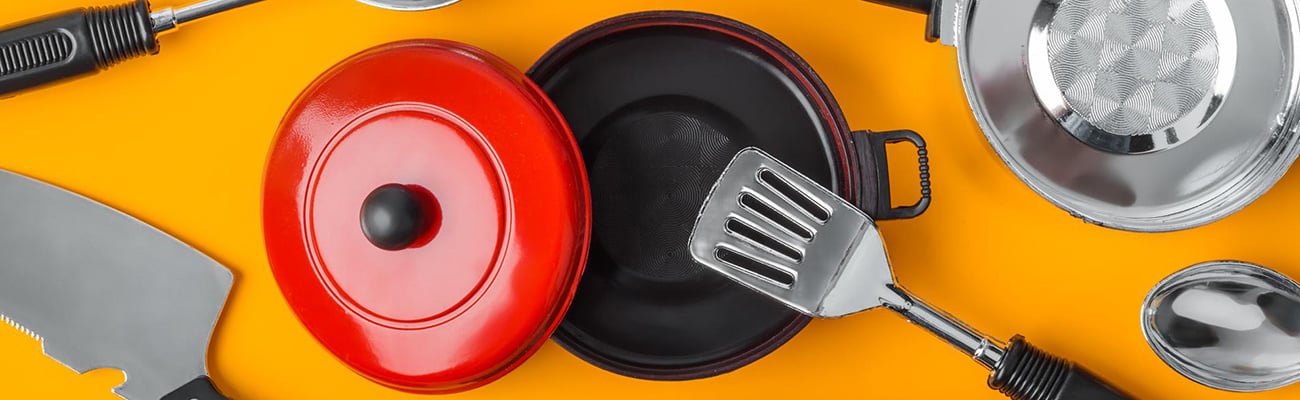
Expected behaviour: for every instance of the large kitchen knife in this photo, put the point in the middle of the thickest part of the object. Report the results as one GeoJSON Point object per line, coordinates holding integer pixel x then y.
{"type": "Point", "coordinates": [101, 289]}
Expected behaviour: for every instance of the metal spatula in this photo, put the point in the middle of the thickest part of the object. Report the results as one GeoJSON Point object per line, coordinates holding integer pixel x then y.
{"type": "Point", "coordinates": [778, 232]}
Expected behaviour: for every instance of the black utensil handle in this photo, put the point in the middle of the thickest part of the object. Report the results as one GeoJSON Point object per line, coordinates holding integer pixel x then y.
{"type": "Point", "coordinates": [71, 44]}
{"type": "Point", "coordinates": [1027, 373]}
{"type": "Point", "coordinates": [200, 388]}
{"type": "Point", "coordinates": [876, 143]}
{"type": "Point", "coordinates": [921, 6]}
{"type": "Point", "coordinates": [927, 7]}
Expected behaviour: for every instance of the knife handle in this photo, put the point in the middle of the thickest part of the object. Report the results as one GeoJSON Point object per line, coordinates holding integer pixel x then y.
{"type": "Point", "coordinates": [73, 44]}
{"type": "Point", "coordinates": [200, 388]}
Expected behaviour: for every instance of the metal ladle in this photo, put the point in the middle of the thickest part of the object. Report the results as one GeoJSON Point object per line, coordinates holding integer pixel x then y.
{"type": "Point", "coordinates": [1228, 325]}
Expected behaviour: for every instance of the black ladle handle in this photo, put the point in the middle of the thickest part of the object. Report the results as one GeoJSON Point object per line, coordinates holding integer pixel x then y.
{"type": "Point", "coordinates": [921, 6]}
{"type": "Point", "coordinates": [72, 44]}
{"type": "Point", "coordinates": [1020, 371]}
{"type": "Point", "coordinates": [200, 388]}
{"type": "Point", "coordinates": [927, 7]}
{"type": "Point", "coordinates": [1027, 373]}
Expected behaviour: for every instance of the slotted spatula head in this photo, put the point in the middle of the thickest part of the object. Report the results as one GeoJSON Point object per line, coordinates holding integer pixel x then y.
{"type": "Point", "coordinates": [772, 229]}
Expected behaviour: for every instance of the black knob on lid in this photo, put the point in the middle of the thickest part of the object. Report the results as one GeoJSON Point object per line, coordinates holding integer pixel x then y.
{"type": "Point", "coordinates": [394, 217]}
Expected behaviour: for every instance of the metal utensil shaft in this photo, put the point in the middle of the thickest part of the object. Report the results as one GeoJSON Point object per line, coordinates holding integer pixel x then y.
{"type": "Point", "coordinates": [168, 19]}
{"type": "Point", "coordinates": [985, 349]}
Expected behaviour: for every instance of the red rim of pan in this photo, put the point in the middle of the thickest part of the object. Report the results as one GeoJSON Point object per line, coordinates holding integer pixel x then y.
{"type": "Point", "coordinates": [812, 87]}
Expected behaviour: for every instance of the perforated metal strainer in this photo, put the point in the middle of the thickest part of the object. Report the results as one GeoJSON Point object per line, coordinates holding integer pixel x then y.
{"type": "Point", "coordinates": [1143, 115]}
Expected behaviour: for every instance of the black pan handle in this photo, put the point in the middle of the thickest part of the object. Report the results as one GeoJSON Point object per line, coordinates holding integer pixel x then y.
{"type": "Point", "coordinates": [200, 388]}
{"type": "Point", "coordinates": [1027, 373]}
{"type": "Point", "coordinates": [875, 144]}
{"type": "Point", "coordinates": [72, 44]}
{"type": "Point", "coordinates": [921, 6]}
{"type": "Point", "coordinates": [927, 7]}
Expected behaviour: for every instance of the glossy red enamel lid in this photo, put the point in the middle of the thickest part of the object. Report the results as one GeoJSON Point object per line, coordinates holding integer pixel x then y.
{"type": "Point", "coordinates": [489, 163]}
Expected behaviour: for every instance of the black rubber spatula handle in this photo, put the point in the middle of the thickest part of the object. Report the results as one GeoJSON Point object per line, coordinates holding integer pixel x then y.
{"type": "Point", "coordinates": [73, 44]}
{"type": "Point", "coordinates": [1027, 373]}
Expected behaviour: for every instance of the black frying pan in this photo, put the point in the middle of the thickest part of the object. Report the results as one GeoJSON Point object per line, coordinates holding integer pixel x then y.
{"type": "Point", "coordinates": [659, 103]}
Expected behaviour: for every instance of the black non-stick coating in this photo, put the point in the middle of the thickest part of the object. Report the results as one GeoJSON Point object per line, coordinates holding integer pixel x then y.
{"type": "Point", "coordinates": [660, 103]}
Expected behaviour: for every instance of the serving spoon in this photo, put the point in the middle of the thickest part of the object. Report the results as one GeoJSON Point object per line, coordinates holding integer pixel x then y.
{"type": "Point", "coordinates": [85, 41]}
{"type": "Point", "coordinates": [1229, 325]}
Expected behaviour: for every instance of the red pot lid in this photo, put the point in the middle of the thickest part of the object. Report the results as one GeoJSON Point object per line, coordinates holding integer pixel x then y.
{"type": "Point", "coordinates": [426, 215]}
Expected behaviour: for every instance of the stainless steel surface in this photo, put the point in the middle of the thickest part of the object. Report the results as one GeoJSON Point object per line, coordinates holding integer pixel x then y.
{"type": "Point", "coordinates": [168, 19]}
{"type": "Point", "coordinates": [1228, 325]}
{"type": "Point", "coordinates": [986, 350]}
{"type": "Point", "coordinates": [848, 238]}
{"type": "Point", "coordinates": [1132, 77]}
{"type": "Point", "coordinates": [104, 290]}
{"type": "Point", "coordinates": [1235, 157]}
{"type": "Point", "coordinates": [163, 20]}
{"type": "Point", "coordinates": [952, 20]}
{"type": "Point", "coordinates": [815, 252]}
{"type": "Point", "coordinates": [409, 5]}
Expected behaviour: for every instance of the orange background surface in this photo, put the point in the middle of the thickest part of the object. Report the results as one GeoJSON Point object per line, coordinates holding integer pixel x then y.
{"type": "Point", "coordinates": [180, 141]}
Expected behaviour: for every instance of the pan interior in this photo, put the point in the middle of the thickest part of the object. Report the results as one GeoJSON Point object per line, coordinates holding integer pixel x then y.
{"type": "Point", "coordinates": [648, 164]}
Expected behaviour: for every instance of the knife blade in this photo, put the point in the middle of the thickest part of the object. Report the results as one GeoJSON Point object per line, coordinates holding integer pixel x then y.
{"type": "Point", "coordinates": [101, 289]}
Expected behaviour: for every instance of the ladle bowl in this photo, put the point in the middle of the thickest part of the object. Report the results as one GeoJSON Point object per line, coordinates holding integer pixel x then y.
{"type": "Point", "coordinates": [1228, 325]}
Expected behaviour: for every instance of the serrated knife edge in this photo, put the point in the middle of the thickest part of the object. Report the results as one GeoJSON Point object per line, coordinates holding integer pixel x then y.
{"type": "Point", "coordinates": [102, 289]}
{"type": "Point", "coordinates": [20, 327]}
